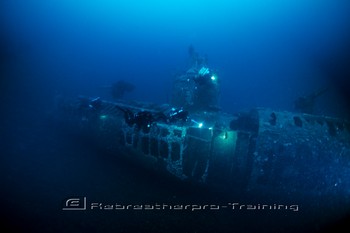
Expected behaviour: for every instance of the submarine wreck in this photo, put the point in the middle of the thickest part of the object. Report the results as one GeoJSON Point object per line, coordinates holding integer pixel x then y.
{"type": "Point", "coordinates": [192, 139]}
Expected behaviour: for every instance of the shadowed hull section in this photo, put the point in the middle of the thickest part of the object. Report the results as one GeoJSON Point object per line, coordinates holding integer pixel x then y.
{"type": "Point", "coordinates": [257, 150]}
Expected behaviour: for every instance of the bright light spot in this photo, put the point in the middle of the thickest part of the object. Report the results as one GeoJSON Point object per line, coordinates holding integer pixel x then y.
{"type": "Point", "coordinates": [210, 128]}
{"type": "Point", "coordinates": [199, 124]}
{"type": "Point", "coordinates": [103, 117]}
{"type": "Point", "coordinates": [213, 78]}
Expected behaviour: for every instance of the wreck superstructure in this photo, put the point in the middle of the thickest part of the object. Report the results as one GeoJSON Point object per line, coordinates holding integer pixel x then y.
{"type": "Point", "coordinates": [192, 139]}
{"type": "Point", "coordinates": [249, 150]}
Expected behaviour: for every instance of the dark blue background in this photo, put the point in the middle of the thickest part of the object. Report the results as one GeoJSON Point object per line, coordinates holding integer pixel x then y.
{"type": "Point", "coordinates": [267, 53]}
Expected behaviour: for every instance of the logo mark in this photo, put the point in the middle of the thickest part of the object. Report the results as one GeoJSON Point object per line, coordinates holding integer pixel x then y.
{"type": "Point", "coordinates": [75, 203]}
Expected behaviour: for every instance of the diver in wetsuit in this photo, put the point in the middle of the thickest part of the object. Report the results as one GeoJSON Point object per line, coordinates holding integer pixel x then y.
{"type": "Point", "coordinates": [306, 104]}
{"type": "Point", "coordinates": [142, 119]}
{"type": "Point", "coordinates": [145, 119]}
{"type": "Point", "coordinates": [129, 116]}
{"type": "Point", "coordinates": [177, 114]}
{"type": "Point", "coordinates": [198, 88]}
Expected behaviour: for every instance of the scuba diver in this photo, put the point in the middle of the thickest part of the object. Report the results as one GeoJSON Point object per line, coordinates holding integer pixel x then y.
{"type": "Point", "coordinates": [306, 104]}
{"type": "Point", "coordinates": [90, 104]}
{"type": "Point", "coordinates": [172, 116]}
{"type": "Point", "coordinates": [177, 115]}
{"type": "Point", "coordinates": [95, 104]}
{"type": "Point", "coordinates": [206, 91]}
{"type": "Point", "coordinates": [198, 88]}
{"type": "Point", "coordinates": [144, 119]}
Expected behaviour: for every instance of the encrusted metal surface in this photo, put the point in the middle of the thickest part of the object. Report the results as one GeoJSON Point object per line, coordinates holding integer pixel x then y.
{"type": "Point", "coordinates": [247, 151]}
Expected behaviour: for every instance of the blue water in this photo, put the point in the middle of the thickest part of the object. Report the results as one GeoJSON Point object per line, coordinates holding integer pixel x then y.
{"type": "Point", "coordinates": [266, 53]}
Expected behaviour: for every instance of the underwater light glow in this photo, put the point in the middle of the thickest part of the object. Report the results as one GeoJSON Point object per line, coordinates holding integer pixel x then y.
{"type": "Point", "coordinates": [103, 117]}
{"type": "Point", "coordinates": [199, 124]}
{"type": "Point", "coordinates": [213, 78]}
